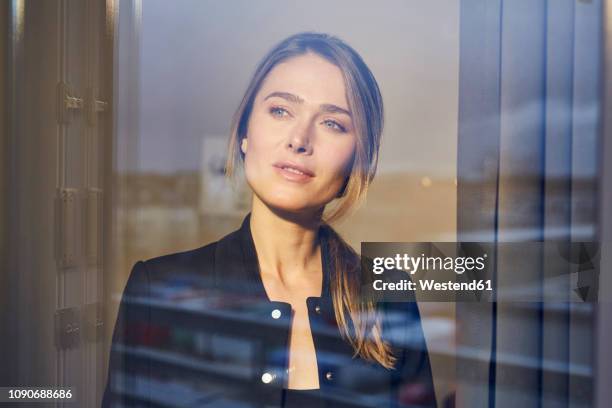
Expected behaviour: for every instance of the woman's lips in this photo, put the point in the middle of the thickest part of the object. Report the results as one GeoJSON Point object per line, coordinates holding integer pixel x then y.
{"type": "Point", "coordinates": [292, 174]}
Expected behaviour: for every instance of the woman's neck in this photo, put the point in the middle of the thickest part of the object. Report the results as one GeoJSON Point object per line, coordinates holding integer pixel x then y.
{"type": "Point", "coordinates": [287, 244]}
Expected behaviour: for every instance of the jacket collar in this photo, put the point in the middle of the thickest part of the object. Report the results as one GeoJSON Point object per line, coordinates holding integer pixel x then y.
{"type": "Point", "coordinates": [237, 266]}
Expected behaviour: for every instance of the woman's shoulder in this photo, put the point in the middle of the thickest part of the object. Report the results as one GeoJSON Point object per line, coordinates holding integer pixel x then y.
{"type": "Point", "coordinates": [198, 257]}
{"type": "Point", "coordinates": [198, 261]}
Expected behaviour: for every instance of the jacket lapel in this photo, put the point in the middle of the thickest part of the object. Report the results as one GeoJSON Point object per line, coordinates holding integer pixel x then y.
{"type": "Point", "coordinates": [236, 267]}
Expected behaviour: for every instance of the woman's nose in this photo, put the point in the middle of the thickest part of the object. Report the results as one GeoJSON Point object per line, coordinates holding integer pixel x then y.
{"type": "Point", "coordinates": [300, 139]}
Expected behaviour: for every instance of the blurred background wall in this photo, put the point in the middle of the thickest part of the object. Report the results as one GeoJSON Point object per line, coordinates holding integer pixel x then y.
{"type": "Point", "coordinates": [197, 57]}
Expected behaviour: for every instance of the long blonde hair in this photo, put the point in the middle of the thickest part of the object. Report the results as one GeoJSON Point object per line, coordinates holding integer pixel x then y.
{"type": "Point", "coordinates": [365, 103]}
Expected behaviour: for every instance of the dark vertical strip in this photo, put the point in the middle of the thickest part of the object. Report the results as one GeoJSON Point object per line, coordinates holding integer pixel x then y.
{"type": "Point", "coordinates": [571, 138]}
{"type": "Point", "coordinates": [586, 93]}
{"type": "Point", "coordinates": [15, 64]}
{"type": "Point", "coordinates": [493, 357]}
{"type": "Point", "coordinates": [558, 133]}
{"type": "Point", "coordinates": [542, 210]}
{"type": "Point", "coordinates": [568, 315]}
{"type": "Point", "coordinates": [603, 353]}
{"type": "Point", "coordinates": [478, 178]}
{"type": "Point", "coordinates": [5, 47]}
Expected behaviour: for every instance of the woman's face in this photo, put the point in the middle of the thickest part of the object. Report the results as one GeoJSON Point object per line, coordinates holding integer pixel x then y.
{"type": "Point", "coordinates": [300, 139]}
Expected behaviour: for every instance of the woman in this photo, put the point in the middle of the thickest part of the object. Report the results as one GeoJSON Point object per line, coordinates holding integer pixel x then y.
{"type": "Point", "coordinates": [308, 132]}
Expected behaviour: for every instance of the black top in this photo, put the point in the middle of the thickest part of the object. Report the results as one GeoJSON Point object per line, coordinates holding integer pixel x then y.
{"type": "Point", "coordinates": [198, 318]}
{"type": "Point", "coordinates": [293, 398]}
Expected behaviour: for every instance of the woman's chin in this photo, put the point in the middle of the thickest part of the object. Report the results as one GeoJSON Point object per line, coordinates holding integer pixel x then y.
{"type": "Point", "coordinates": [290, 208]}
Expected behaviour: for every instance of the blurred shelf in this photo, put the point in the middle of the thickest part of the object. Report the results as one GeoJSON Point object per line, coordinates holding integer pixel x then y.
{"type": "Point", "coordinates": [159, 393]}
{"type": "Point", "coordinates": [235, 372]}
{"type": "Point", "coordinates": [163, 394]}
{"type": "Point", "coordinates": [185, 310]}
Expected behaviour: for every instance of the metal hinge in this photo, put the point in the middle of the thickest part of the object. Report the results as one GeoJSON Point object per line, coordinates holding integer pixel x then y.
{"type": "Point", "coordinates": [66, 227]}
{"type": "Point", "coordinates": [94, 106]}
{"type": "Point", "coordinates": [74, 325]}
{"type": "Point", "coordinates": [93, 322]}
{"type": "Point", "coordinates": [67, 328]}
{"type": "Point", "coordinates": [94, 226]}
{"type": "Point", "coordinates": [66, 103]}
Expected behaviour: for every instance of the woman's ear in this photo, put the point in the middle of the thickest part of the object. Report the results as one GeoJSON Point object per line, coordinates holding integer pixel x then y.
{"type": "Point", "coordinates": [243, 145]}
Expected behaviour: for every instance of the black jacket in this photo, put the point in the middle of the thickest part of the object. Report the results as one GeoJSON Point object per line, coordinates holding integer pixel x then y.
{"type": "Point", "coordinates": [196, 329]}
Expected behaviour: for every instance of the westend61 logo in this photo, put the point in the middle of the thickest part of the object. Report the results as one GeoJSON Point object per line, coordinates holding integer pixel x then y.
{"type": "Point", "coordinates": [481, 271]}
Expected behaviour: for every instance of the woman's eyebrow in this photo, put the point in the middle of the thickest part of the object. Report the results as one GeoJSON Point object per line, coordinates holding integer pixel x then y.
{"type": "Point", "coordinates": [326, 107]}
{"type": "Point", "coordinates": [285, 95]}
{"type": "Point", "coordinates": [334, 109]}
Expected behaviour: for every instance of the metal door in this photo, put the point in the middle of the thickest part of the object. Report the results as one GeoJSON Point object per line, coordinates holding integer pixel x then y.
{"type": "Point", "coordinates": [58, 146]}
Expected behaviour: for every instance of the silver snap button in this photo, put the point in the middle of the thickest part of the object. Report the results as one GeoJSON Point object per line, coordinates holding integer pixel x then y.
{"type": "Point", "coordinates": [329, 376]}
{"type": "Point", "coordinates": [267, 378]}
{"type": "Point", "coordinates": [318, 309]}
{"type": "Point", "coordinates": [276, 314]}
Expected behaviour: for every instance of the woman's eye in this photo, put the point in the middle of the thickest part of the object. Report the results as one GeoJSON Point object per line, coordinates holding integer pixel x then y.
{"type": "Point", "coordinates": [278, 112]}
{"type": "Point", "coordinates": [334, 125]}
